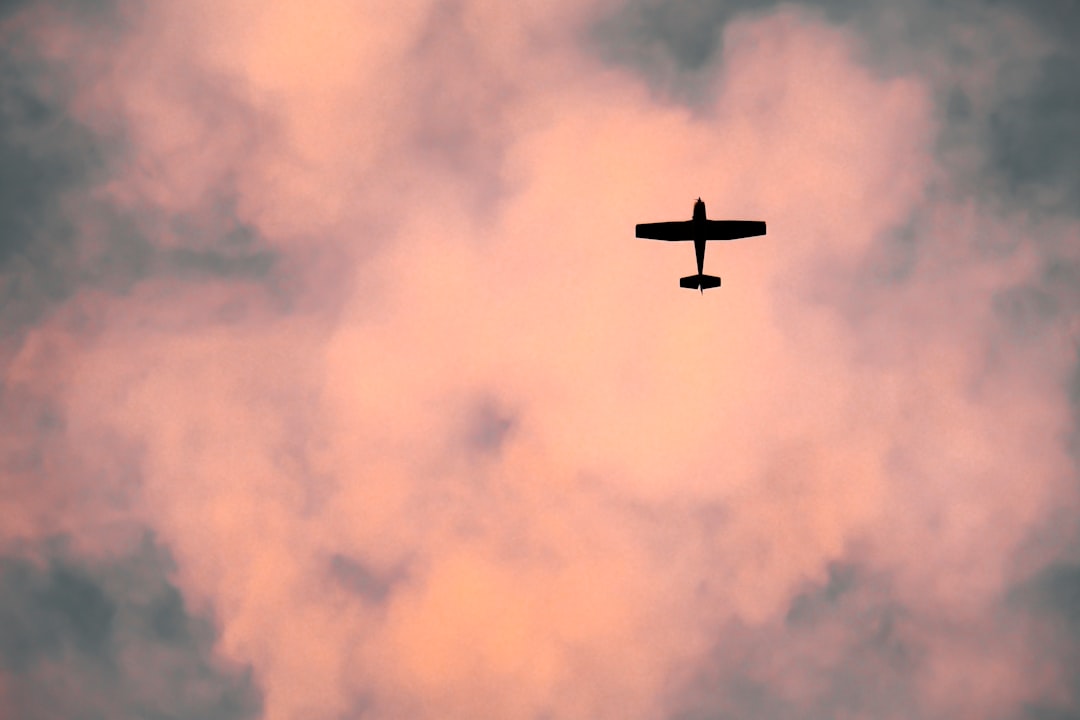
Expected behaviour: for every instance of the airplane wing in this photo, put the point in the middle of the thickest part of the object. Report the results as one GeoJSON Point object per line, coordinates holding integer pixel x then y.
{"type": "Point", "coordinates": [728, 229]}
{"type": "Point", "coordinates": [683, 230]}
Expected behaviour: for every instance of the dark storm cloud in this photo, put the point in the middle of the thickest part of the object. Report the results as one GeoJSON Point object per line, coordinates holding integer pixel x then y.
{"type": "Point", "coordinates": [92, 638]}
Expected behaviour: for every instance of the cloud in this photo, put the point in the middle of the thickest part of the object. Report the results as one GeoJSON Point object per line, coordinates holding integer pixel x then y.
{"type": "Point", "coordinates": [845, 647]}
{"type": "Point", "coordinates": [111, 638]}
{"type": "Point", "coordinates": [351, 318]}
{"type": "Point", "coordinates": [1032, 147]}
{"type": "Point", "coordinates": [44, 156]}
{"type": "Point", "coordinates": [1022, 128]}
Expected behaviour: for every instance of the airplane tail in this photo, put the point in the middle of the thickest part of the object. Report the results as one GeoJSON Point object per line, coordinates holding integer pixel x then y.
{"type": "Point", "coordinates": [700, 282]}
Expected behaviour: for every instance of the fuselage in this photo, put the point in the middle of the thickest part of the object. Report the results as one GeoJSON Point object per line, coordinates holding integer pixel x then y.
{"type": "Point", "coordinates": [699, 234]}
{"type": "Point", "coordinates": [699, 209]}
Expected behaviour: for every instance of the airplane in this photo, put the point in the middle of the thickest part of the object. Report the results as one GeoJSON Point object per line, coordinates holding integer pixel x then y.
{"type": "Point", "coordinates": [700, 230]}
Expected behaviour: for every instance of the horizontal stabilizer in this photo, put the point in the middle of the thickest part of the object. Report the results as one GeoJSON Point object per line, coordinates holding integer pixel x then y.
{"type": "Point", "coordinates": [700, 282]}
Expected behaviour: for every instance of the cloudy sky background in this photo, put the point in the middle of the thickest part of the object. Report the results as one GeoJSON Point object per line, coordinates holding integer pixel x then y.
{"type": "Point", "coordinates": [335, 384]}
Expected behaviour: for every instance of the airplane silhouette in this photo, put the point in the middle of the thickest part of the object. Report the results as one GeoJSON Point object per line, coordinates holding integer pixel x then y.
{"type": "Point", "coordinates": [700, 230]}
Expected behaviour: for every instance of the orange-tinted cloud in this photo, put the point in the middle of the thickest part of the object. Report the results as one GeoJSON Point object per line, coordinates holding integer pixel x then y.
{"type": "Point", "coordinates": [450, 190]}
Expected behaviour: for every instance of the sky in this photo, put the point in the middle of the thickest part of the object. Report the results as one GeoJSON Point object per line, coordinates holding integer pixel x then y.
{"type": "Point", "coordinates": [335, 385]}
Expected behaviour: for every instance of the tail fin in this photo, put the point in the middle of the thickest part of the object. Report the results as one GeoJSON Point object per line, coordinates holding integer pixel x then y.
{"type": "Point", "coordinates": [700, 282]}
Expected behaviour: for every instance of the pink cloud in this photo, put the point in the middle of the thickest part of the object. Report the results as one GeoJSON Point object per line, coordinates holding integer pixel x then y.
{"type": "Point", "coordinates": [677, 463]}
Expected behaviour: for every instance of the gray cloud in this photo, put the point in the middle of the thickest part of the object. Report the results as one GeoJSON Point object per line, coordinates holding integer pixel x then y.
{"type": "Point", "coordinates": [93, 638]}
{"type": "Point", "coordinates": [489, 426]}
{"type": "Point", "coordinates": [689, 33]}
{"type": "Point", "coordinates": [1052, 598]}
{"type": "Point", "coordinates": [849, 647]}
{"type": "Point", "coordinates": [44, 156]}
{"type": "Point", "coordinates": [358, 578]}
{"type": "Point", "coordinates": [846, 648]}
{"type": "Point", "coordinates": [1029, 135]}
{"type": "Point", "coordinates": [685, 32]}
{"type": "Point", "coordinates": [459, 129]}
{"type": "Point", "coordinates": [49, 611]}
{"type": "Point", "coordinates": [56, 235]}
{"type": "Point", "coordinates": [1033, 136]}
